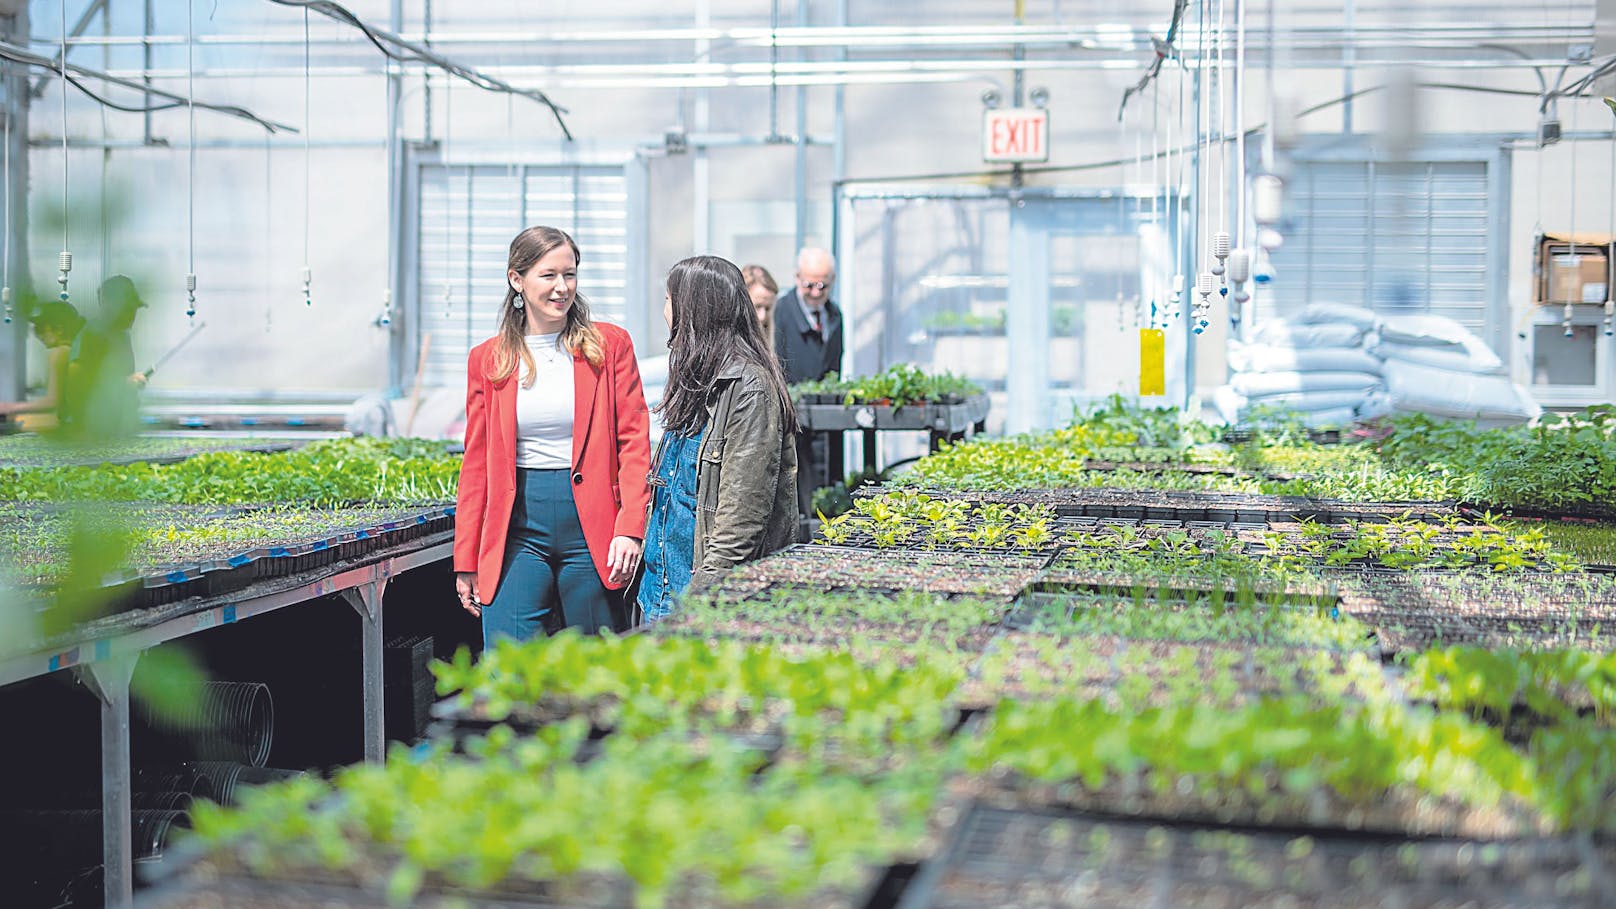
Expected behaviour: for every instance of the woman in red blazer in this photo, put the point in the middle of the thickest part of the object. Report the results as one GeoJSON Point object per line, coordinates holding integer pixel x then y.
{"type": "Point", "coordinates": [553, 495]}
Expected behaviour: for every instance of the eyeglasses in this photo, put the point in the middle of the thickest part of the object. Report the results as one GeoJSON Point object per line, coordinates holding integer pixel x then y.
{"type": "Point", "coordinates": [812, 285]}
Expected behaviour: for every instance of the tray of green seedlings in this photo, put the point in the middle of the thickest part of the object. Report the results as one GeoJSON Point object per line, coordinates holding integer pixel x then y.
{"type": "Point", "coordinates": [901, 386]}
{"type": "Point", "coordinates": [840, 569]}
{"type": "Point", "coordinates": [1032, 859]}
{"type": "Point", "coordinates": [667, 821]}
{"type": "Point", "coordinates": [35, 451]}
{"type": "Point", "coordinates": [1131, 674]}
{"type": "Point", "coordinates": [327, 473]}
{"type": "Point", "coordinates": [1590, 543]}
{"type": "Point", "coordinates": [1522, 690]}
{"type": "Point", "coordinates": [907, 627]}
{"type": "Point", "coordinates": [1171, 560]}
{"type": "Point", "coordinates": [1412, 611]}
{"type": "Point", "coordinates": [1560, 467]}
{"type": "Point", "coordinates": [818, 703]}
{"type": "Point", "coordinates": [1146, 502]}
{"type": "Point", "coordinates": [901, 520]}
{"type": "Point", "coordinates": [1300, 622]}
{"type": "Point", "coordinates": [1293, 760]}
{"type": "Point", "coordinates": [1411, 544]}
{"type": "Point", "coordinates": [173, 552]}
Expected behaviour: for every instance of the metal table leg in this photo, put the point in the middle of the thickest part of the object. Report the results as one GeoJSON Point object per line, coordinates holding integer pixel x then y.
{"type": "Point", "coordinates": [366, 600]}
{"type": "Point", "coordinates": [109, 679]}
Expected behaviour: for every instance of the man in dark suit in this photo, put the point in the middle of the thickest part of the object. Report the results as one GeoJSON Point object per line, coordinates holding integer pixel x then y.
{"type": "Point", "coordinates": [808, 341]}
{"type": "Point", "coordinates": [807, 324]}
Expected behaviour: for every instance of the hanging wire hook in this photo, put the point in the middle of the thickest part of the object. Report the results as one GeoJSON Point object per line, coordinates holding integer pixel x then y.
{"type": "Point", "coordinates": [308, 172]}
{"type": "Point", "coordinates": [190, 200]}
{"type": "Point", "coordinates": [64, 259]}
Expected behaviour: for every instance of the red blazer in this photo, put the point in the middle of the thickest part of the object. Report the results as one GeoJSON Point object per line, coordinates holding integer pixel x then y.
{"type": "Point", "coordinates": [611, 455]}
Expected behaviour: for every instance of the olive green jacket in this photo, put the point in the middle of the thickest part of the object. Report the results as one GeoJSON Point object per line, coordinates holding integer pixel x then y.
{"type": "Point", "coordinates": [746, 475]}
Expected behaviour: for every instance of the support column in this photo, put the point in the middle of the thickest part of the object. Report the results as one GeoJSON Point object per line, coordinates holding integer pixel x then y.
{"type": "Point", "coordinates": [109, 679]}
{"type": "Point", "coordinates": [366, 600]}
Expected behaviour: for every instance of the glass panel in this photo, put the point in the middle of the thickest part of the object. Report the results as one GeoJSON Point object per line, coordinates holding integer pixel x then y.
{"type": "Point", "coordinates": [1559, 360]}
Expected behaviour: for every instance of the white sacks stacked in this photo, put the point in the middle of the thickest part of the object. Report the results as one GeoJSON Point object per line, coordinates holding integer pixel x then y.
{"type": "Point", "coordinates": [1316, 363]}
{"type": "Point", "coordinates": [1434, 365]}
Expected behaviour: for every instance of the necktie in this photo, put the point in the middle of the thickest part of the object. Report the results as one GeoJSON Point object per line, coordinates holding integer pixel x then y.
{"type": "Point", "coordinates": [818, 326]}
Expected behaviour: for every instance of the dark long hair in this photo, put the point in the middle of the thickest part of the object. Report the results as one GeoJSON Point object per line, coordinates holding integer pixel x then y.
{"type": "Point", "coordinates": [578, 336]}
{"type": "Point", "coordinates": [713, 325]}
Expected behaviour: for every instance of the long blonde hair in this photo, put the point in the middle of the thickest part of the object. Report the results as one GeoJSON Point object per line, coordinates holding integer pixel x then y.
{"type": "Point", "coordinates": [577, 336]}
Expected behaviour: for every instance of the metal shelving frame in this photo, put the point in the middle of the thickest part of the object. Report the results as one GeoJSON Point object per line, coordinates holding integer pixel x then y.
{"type": "Point", "coordinates": [106, 661]}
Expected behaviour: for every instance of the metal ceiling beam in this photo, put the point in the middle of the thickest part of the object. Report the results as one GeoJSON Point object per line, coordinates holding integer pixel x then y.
{"type": "Point", "coordinates": [77, 30]}
{"type": "Point", "coordinates": [857, 37]}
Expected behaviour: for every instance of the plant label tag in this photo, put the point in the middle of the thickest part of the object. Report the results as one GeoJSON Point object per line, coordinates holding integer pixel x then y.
{"type": "Point", "coordinates": [1152, 362]}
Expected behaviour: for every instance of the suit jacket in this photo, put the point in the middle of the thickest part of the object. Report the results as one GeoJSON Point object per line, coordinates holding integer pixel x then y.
{"type": "Point", "coordinates": [611, 455]}
{"type": "Point", "coordinates": [804, 356]}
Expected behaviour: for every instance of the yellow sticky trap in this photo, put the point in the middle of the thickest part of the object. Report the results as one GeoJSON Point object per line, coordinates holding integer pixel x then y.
{"type": "Point", "coordinates": [1152, 362]}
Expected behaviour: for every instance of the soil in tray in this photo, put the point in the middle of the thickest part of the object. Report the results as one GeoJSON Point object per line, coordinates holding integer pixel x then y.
{"type": "Point", "coordinates": [1133, 674]}
{"type": "Point", "coordinates": [32, 451]}
{"type": "Point", "coordinates": [1145, 618]}
{"type": "Point", "coordinates": [1165, 585]}
{"type": "Point", "coordinates": [1029, 859]}
{"type": "Point", "coordinates": [830, 568]}
{"type": "Point", "coordinates": [206, 887]}
{"type": "Point", "coordinates": [1398, 812]}
{"type": "Point", "coordinates": [162, 537]}
{"type": "Point", "coordinates": [1197, 506]}
{"type": "Point", "coordinates": [1414, 611]}
{"type": "Point", "coordinates": [802, 617]}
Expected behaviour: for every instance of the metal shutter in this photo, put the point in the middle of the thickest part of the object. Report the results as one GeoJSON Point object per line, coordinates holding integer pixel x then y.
{"type": "Point", "coordinates": [468, 215]}
{"type": "Point", "coordinates": [1403, 237]}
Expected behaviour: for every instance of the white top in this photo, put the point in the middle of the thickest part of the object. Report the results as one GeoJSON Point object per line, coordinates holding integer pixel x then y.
{"type": "Point", "coordinates": [544, 413]}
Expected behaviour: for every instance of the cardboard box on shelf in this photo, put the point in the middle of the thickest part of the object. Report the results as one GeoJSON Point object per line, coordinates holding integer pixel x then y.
{"type": "Point", "coordinates": [1574, 268]}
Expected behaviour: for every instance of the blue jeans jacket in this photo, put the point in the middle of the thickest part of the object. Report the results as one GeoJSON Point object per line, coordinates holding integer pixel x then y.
{"type": "Point", "coordinates": [670, 537]}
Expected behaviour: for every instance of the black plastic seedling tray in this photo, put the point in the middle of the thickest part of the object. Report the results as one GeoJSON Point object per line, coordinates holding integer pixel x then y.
{"type": "Point", "coordinates": [1033, 858]}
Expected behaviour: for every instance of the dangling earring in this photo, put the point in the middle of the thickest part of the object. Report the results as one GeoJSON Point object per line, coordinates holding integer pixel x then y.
{"type": "Point", "coordinates": [519, 301]}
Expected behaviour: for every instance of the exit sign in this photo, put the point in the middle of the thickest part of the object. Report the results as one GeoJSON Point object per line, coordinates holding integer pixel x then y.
{"type": "Point", "coordinates": [1017, 135]}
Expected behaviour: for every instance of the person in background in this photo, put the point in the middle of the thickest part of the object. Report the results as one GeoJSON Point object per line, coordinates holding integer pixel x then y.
{"type": "Point", "coordinates": [808, 341]}
{"type": "Point", "coordinates": [106, 340]}
{"type": "Point", "coordinates": [57, 325]}
{"type": "Point", "coordinates": [552, 502]}
{"type": "Point", "coordinates": [107, 384]}
{"type": "Point", "coordinates": [760, 285]}
{"type": "Point", "coordinates": [807, 323]}
{"type": "Point", "coordinates": [725, 477]}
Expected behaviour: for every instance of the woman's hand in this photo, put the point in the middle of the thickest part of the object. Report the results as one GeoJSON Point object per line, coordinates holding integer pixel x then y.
{"type": "Point", "coordinates": [466, 588]}
{"type": "Point", "coordinates": [623, 559]}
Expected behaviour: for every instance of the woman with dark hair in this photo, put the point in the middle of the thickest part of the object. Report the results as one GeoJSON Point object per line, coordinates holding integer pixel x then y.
{"type": "Point", "coordinates": [725, 483]}
{"type": "Point", "coordinates": [552, 501]}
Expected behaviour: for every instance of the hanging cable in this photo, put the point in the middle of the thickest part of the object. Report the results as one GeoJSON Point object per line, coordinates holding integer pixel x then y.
{"type": "Point", "coordinates": [269, 233]}
{"type": "Point", "coordinates": [308, 172]}
{"type": "Point", "coordinates": [1175, 173]}
{"type": "Point", "coordinates": [1610, 247]}
{"type": "Point", "coordinates": [190, 193]}
{"type": "Point", "coordinates": [5, 252]}
{"type": "Point", "coordinates": [1163, 48]}
{"type": "Point", "coordinates": [1573, 261]}
{"type": "Point", "coordinates": [403, 51]}
{"type": "Point", "coordinates": [19, 55]}
{"type": "Point", "coordinates": [448, 206]}
{"type": "Point", "coordinates": [1220, 243]}
{"type": "Point", "coordinates": [1157, 185]}
{"type": "Point", "coordinates": [64, 259]}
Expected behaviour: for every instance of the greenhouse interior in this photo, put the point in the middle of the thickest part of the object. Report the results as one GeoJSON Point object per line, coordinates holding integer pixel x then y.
{"type": "Point", "coordinates": [992, 453]}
